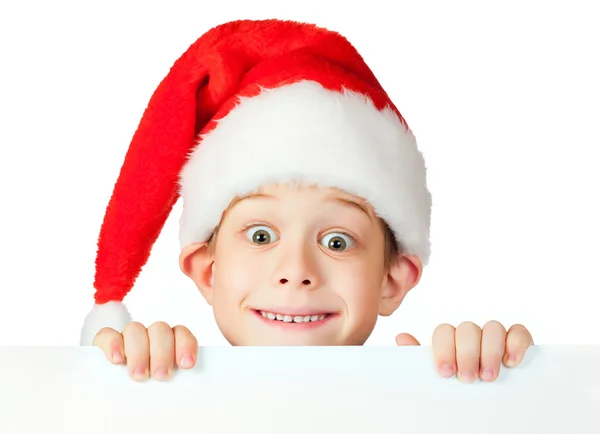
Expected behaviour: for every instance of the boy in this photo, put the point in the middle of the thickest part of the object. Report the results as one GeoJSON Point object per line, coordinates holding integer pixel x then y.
{"type": "Point", "coordinates": [306, 212]}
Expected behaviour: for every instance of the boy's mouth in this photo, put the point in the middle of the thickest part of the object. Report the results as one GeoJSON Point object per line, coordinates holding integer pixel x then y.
{"type": "Point", "coordinates": [295, 320]}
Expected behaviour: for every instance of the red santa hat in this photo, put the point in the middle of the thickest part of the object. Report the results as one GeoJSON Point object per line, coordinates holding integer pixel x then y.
{"type": "Point", "coordinates": [248, 104]}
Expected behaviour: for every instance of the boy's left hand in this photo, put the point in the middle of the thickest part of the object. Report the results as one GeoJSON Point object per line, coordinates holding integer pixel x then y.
{"type": "Point", "coordinates": [470, 352]}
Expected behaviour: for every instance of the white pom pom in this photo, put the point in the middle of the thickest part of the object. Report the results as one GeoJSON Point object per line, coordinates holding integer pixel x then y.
{"type": "Point", "coordinates": [113, 314]}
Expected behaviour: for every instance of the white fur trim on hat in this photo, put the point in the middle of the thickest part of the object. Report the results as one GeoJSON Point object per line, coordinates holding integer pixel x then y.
{"type": "Point", "coordinates": [113, 314]}
{"type": "Point", "coordinates": [304, 132]}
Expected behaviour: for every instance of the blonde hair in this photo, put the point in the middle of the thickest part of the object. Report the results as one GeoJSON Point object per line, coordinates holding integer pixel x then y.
{"type": "Point", "coordinates": [391, 249]}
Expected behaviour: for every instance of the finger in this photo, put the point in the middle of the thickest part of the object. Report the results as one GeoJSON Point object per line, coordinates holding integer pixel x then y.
{"type": "Point", "coordinates": [186, 347]}
{"type": "Point", "coordinates": [518, 340]}
{"type": "Point", "coordinates": [444, 353]}
{"type": "Point", "coordinates": [493, 338]}
{"type": "Point", "coordinates": [137, 350]}
{"type": "Point", "coordinates": [404, 339]}
{"type": "Point", "coordinates": [162, 350]}
{"type": "Point", "coordinates": [110, 342]}
{"type": "Point", "coordinates": [468, 351]}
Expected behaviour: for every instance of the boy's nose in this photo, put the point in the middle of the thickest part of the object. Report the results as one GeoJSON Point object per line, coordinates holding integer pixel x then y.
{"type": "Point", "coordinates": [296, 266]}
{"type": "Point", "coordinates": [305, 282]}
{"type": "Point", "coordinates": [304, 279]}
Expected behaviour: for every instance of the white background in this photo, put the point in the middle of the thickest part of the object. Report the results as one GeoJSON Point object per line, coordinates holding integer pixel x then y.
{"type": "Point", "coordinates": [503, 99]}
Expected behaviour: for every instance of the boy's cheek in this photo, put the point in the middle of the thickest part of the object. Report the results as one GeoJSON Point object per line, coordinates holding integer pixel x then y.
{"type": "Point", "coordinates": [361, 298]}
{"type": "Point", "coordinates": [236, 278]}
{"type": "Point", "coordinates": [240, 269]}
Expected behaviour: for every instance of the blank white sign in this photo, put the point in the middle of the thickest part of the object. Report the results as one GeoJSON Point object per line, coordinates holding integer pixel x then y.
{"type": "Point", "coordinates": [298, 390]}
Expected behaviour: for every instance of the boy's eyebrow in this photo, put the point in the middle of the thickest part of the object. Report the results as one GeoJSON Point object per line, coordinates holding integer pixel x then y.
{"type": "Point", "coordinates": [353, 204]}
{"type": "Point", "coordinates": [249, 196]}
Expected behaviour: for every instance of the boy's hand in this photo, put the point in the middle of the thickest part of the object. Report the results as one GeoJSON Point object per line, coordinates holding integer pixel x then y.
{"type": "Point", "coordinates": [471, 353]}
{"type": "Point", "coordinates": [154, 351]}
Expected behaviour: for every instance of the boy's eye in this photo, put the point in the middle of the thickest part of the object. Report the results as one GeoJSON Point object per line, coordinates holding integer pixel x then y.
{"type": "Point", "coordinates": [261, 235]}
{"type": "Point", "coordinates": [337, 242]}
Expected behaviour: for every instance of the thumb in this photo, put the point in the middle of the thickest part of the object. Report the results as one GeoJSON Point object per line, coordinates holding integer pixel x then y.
{"type": "Point", "coordinates": [404, 339]}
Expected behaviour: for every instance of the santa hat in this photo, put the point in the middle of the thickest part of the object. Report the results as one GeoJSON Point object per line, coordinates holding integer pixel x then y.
{"type": "Point", "coordinates": [248, 104]}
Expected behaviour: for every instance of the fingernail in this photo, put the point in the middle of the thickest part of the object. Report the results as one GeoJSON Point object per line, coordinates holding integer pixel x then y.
{"type": "Point", "coordinates": [511, 359]}
{"type": "Point", "coordinates": [140, 374]}
{"type": "Point", "coordinates": [487, 374]}
{"type": "Point", "coordinates": [161, 374]}
{"type": "Point", "coordinates": [117, 357]}
{"type": "Point", "coordinates": [187, 361]}
{"type": "Point", "coordinates": [447, 371]}
{"type": "Point", "coordinates": [467, 376]}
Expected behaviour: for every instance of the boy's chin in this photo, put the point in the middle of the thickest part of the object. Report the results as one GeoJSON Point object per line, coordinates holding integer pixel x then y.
{"type": "Point", "coordinates": [289, 343]}
{"type": "Point", "coordinates": [291, 339]}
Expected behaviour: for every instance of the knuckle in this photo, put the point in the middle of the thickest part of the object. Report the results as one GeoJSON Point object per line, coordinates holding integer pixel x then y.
{"type": "Point", "coordinates": [518, 328]}
{"type": "Point", "coordinates": [493, 324]}
{"type": "Point", "coordinates": [184, 336]}
{"type": "Point", "coordinates": [159, 326]}
{"type": "Point", "coordinates": [518, 334]}
{"type": "Point", "coordinates": [104, 336]}
{"type": "Point", "coordinates": [444, 327]}
{"type": "Point", "coordinates": [181, 329]}
{"type": "Point", "coordinates": [105, 331]}
{"type": "Point", "coordinates": [468, 325]}
{"type": "Point", "coordinates": [133, 326]}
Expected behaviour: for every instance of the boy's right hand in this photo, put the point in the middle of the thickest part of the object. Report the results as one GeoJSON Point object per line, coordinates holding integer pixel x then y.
{"type": "Point", "coordinates": [154, 352]}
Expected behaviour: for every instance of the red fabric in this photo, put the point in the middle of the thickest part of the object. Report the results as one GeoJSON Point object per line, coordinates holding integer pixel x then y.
{"type": "Point", "coordinates": [203, 85]}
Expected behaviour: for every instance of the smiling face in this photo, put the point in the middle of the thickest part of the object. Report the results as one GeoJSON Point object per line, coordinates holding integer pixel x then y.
{"type": "Point", "coordinates": [300, 266]}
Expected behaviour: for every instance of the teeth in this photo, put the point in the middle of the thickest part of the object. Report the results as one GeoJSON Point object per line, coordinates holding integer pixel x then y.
{"type": "Point", "coordinates": [289, 318]}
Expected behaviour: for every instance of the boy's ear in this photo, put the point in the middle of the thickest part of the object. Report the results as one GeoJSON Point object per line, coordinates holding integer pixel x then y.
{"type": "Point", "coordinates": [197, 263]}
{"type": "Point", "coordinates": [403, 275]}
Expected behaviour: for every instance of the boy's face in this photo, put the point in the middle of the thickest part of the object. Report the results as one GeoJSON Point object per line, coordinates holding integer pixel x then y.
{"type": "Point", "coordinates": [299, 266]}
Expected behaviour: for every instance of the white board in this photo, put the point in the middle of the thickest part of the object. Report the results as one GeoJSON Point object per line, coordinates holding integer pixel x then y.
{"type": "Point", "coordinates": [298, 390]}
